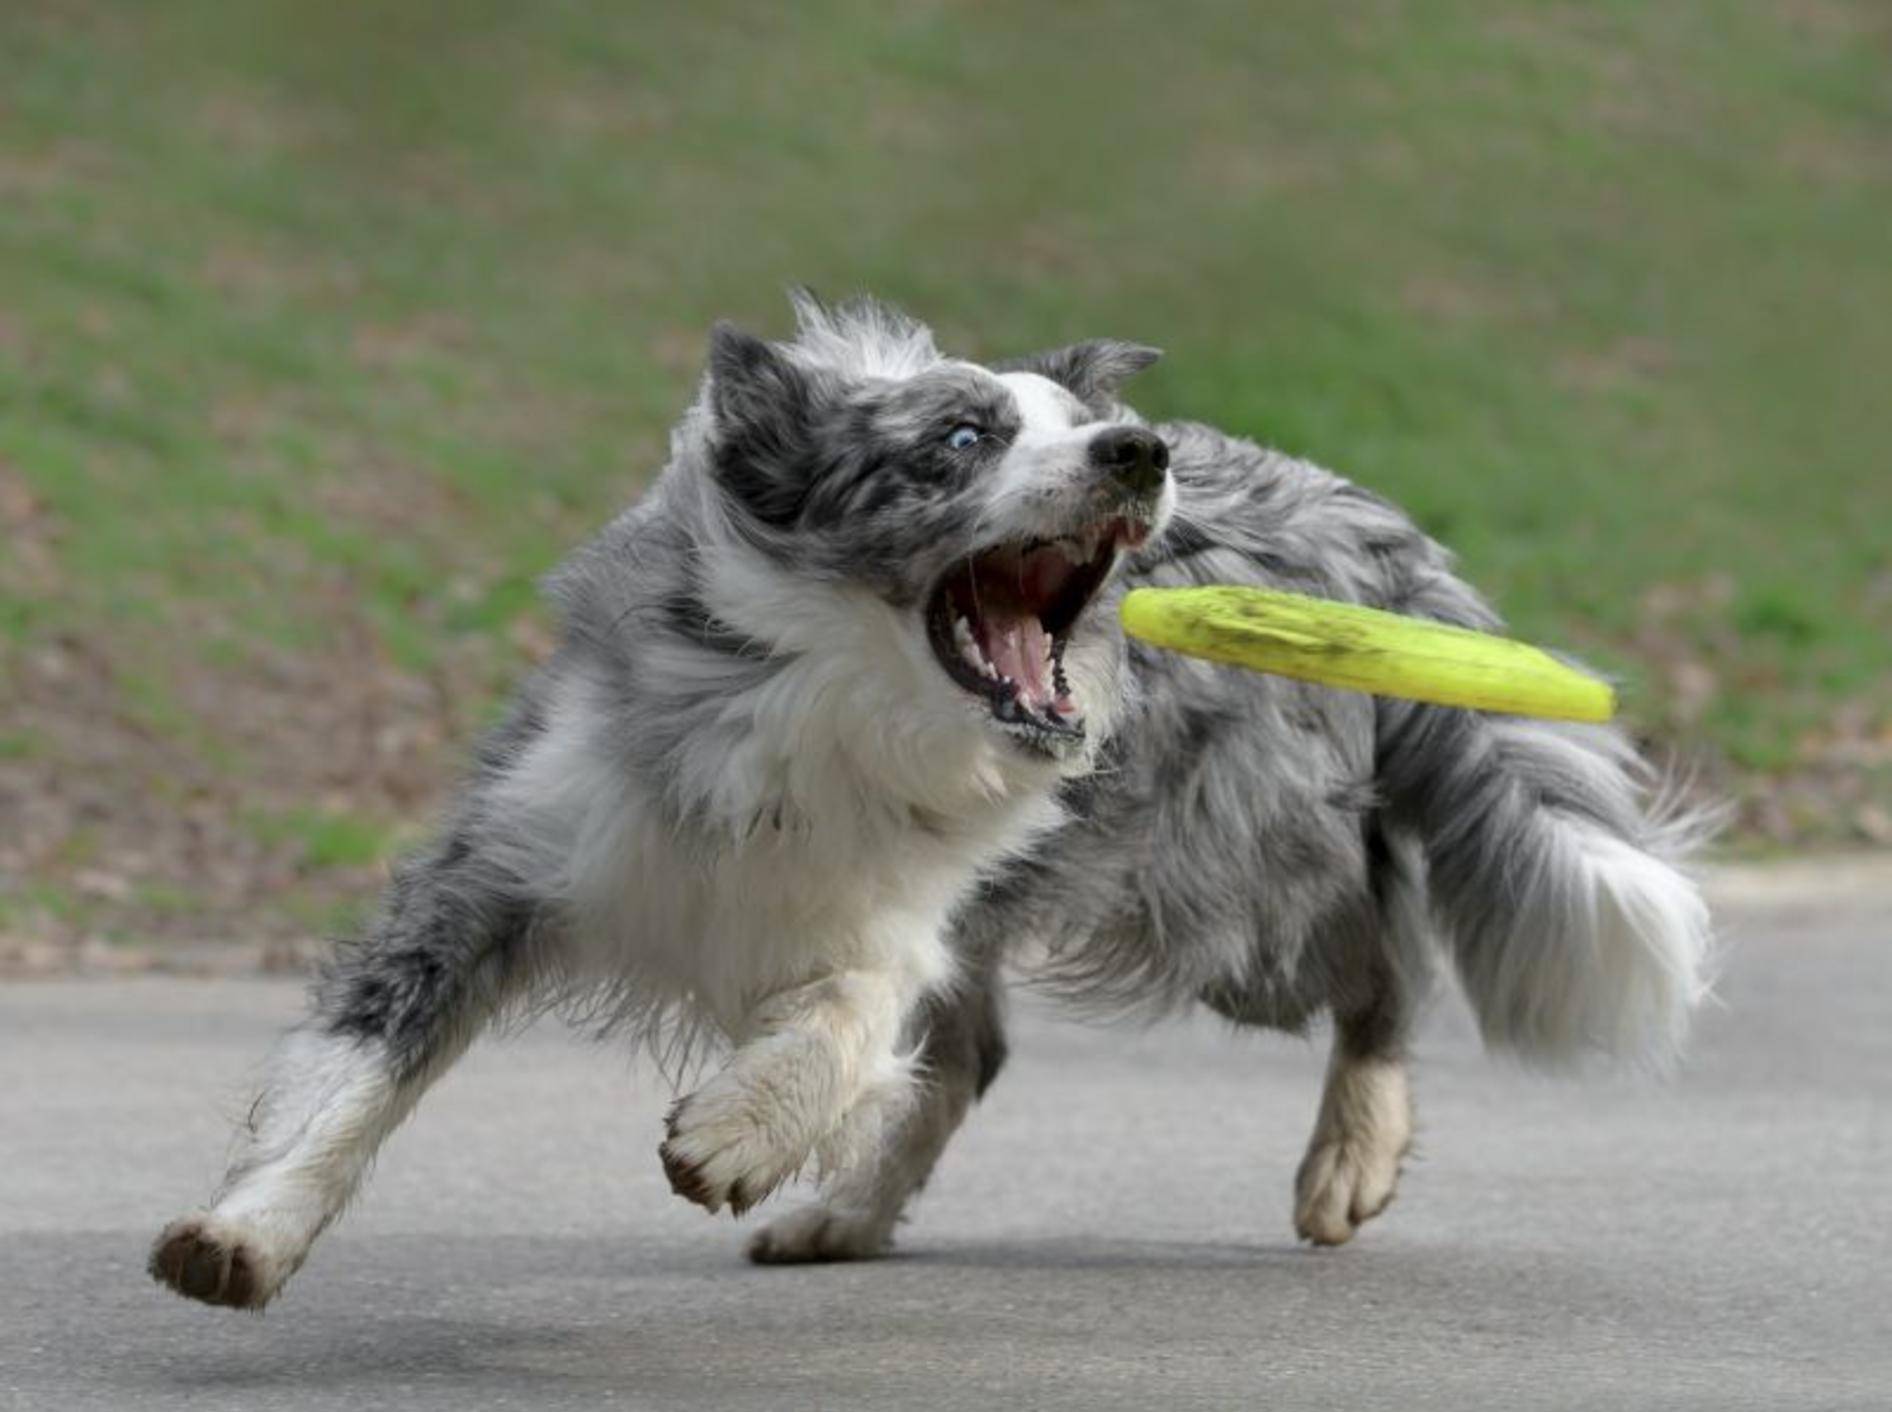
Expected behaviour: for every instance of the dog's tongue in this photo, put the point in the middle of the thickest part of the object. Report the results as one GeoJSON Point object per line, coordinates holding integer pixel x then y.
{"type": "Point", "coordinates": [1019, 647]}
{"type": "Point", "coordinates": [1010, 596]}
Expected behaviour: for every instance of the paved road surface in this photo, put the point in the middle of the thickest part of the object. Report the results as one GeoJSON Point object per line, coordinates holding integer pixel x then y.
{"type": "Point", "coordinates": [1112, 1231]}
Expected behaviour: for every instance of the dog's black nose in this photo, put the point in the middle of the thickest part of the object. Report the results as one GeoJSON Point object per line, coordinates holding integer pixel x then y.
{"type": "Point", "coordinates": [1134, 456]}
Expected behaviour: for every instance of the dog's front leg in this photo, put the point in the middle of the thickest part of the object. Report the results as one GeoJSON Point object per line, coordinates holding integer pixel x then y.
{"type": "Point", "coordinates": [960, 1032]}
{"type": "Point", "coordinates": [389, 1016]}
{"type": "Point", "coordinates": [817, 1075]}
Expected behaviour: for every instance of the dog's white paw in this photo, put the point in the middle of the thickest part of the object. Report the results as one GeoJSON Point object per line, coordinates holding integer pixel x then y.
{"type": "Point", "coordinates": [725, 1148]}
{"type": "Point", "coordinates": [1342, 1186]}
{"type": "Point", "coordinates": [1352, 1164]}
{"type": "Point", "coordinates": [818, 1233]}
{"type": "Point", "coordinates": [222, 1261]}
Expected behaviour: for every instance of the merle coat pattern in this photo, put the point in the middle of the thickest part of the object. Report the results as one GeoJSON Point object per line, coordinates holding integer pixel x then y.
{"type": "Point", "coordinates": [840, 720]}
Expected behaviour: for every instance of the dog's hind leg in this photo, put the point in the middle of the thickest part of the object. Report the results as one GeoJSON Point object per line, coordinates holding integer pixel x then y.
{"type": "Point", "coordinates": [389, 1016]}
{"type": "Point", "coordinates": [1364, 1128]}
{"type": "Point", "coordinates": [1365, 1122]}
{"type": "Point", "coordinates": [1361, 1135]}
{"type": "Point", "coordinates": [962, 1049]}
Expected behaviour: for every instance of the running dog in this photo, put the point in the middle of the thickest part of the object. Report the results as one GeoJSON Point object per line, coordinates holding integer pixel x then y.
{"type": "Point", "coordinates": [840, 719]}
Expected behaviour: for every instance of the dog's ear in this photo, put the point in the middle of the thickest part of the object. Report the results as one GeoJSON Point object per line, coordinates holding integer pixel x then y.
{"type": "Point", "coordinates": [1091, 371]}
{"type": "Point", "coordinates": [760, 401]}
{"type": "Point", "coordinates": [754, 388]}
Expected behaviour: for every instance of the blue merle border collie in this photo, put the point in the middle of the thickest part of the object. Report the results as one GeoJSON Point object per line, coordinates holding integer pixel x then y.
{"type": "Point", "coordinates": [841, 719]}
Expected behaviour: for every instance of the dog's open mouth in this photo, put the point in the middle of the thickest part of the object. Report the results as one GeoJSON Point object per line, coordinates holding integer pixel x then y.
{"type": "Point", "coordinates": [999, 623]}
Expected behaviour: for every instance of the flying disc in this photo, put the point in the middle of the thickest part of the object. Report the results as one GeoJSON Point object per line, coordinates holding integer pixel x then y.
{"type": "Point", "coordinates": [1364, 649]}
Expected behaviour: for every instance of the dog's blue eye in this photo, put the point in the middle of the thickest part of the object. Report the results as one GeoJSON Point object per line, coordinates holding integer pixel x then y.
{"type": "Point", "coordinates": [962, 437]}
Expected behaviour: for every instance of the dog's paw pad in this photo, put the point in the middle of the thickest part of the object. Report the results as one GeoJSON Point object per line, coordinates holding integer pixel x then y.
{"type": "Point", "coordinates": [1341, 1186]}
{"type": "Point", "coordinates": [818, 1233]}
{"type": "Point", "coordinates": [208, 1265]}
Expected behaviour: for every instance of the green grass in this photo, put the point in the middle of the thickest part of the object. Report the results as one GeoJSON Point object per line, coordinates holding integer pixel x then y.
{"type": "Point", "coordinates": [324, 329]}
{"type": "Point", "coordinates": [18, 745]}
{"type": "Point", "coordinates": [31, 903]}
{"type": "Point", "coordinates": [325, 840]}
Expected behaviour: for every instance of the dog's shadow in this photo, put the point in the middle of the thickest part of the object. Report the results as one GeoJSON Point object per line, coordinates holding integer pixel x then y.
{"type": "Point", "coordinates": [1053, 1255]}
{"type": "Point", "coordinates": [476, 1321]}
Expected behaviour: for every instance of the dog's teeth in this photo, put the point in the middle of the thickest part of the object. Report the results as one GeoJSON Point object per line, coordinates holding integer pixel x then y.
{"type": "Point", "coordinates": [968, 645]}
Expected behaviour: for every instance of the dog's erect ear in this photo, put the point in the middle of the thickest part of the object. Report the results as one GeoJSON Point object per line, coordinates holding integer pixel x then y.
{"type": "Point", "coordinates": [1091, 371]}
{"type": "Point", "coordinates": [753, 384]}
{"type": "Point", "coordinates": [760, 400]}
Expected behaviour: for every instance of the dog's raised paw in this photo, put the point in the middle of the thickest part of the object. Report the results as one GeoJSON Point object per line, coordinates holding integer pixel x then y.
{"type": "Point", "coordinates": [716, 1154]}
{"type": "Point", "coordinates": [819, 1233]}
{"type": "Point", "coordinates": [686, 1178]}
{"type": "Point", "coordinates": [216, 1266]}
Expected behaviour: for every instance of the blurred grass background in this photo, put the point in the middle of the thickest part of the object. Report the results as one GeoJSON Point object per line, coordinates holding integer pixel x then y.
{"type": "Point", "coordinates": [324, 329]}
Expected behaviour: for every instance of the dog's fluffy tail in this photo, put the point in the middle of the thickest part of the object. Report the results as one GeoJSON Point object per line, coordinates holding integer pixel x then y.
{"type": "Point", "coordinates": [1554, 870]}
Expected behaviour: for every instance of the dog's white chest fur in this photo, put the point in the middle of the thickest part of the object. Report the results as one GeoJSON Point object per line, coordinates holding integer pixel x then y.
{"type": "Point", "coordinates": [805, 864]}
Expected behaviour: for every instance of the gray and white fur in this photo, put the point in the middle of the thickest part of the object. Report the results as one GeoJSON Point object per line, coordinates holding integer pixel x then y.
{"type": "Point", "coordinates": [841, 721]}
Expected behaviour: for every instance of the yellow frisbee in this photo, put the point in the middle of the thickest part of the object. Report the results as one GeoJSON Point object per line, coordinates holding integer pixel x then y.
{"type": "Point", "coordinates": [1364, 649]}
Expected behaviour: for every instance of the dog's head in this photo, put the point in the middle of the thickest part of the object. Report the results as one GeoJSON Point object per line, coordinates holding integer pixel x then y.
{"type": "Point", "coordinates": [987, 507]}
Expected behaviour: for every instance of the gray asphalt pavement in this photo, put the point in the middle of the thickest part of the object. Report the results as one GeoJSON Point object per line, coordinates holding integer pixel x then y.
{"type": "Point", "coordinates": [1111, 1231]}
